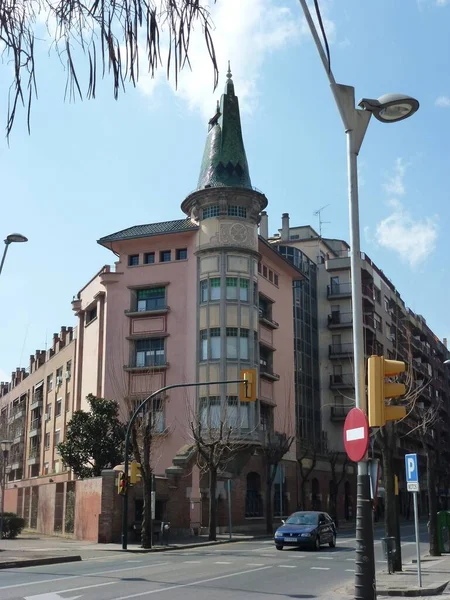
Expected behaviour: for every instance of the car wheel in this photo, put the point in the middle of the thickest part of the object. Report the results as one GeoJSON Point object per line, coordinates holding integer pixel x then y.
{"type": "Point", "coordinates": [333, 542]}
{"type": "Point", "coordinates": [278, 547]}
{"type": "Point", "coordinates": [317, 543]}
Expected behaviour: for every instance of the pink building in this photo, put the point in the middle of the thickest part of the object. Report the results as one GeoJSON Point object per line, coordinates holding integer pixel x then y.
{"type": "Point", "coordinates": [192, 300]}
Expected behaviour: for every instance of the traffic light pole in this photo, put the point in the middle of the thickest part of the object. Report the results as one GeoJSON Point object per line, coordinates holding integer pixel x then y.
{"type": "Point", "coordinates": [128, 435]}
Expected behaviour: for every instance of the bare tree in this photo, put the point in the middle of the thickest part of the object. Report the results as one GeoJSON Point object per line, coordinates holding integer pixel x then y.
{"type": "Point", "coordinates": [218, 440]}
{"type": "Point", "coordinates": [307, 460]}
{"type": "Point", "coordinates": [336, 458]}
{"type": "Point", "coordinates": [276, 446]}
{"type": "Point", "coordinates": [116, 37]}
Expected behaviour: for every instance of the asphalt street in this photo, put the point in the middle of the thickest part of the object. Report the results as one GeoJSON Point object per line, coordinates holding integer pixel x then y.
{"type": "Point", "coordinates": [236, 571]}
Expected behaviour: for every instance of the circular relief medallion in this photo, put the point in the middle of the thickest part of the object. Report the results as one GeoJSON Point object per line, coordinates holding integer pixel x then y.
{"type": "Point", "coordinates": [239, 233]}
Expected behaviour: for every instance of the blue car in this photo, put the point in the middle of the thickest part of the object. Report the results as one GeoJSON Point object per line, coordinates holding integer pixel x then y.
{"type": "Point", "coordinates": [306, 528]}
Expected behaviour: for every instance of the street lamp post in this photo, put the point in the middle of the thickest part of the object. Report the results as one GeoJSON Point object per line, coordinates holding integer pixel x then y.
{"type": "Point", "coordinates": [5, 446]}
{"type": "Point", "coordinates": [387, 109]}
{"type": "Point", "coordinates": [11, 239]}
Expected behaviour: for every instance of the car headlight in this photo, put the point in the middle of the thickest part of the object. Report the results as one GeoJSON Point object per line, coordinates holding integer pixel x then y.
{"type": "Point", "coordinates": [278, 534]}
{"type": "Point", "coordinates": [306, 535]}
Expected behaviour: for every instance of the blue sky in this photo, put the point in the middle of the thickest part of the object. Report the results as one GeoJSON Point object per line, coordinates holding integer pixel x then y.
{"type": "Point", "coordinates": [94, 167]}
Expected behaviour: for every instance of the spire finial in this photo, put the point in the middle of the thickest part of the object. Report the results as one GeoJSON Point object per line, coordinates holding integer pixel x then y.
{"type": "Point", "coordinates": [229, 71]}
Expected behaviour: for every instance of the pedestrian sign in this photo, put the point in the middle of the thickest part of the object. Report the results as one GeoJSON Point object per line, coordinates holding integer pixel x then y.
{"type": "Point", "coordinates": [412, 473]}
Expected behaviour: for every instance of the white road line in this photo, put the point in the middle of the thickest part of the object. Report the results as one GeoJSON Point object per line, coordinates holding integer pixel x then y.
{"type": "Point", "coordinates": [350, 571]}
{"type": "Point", "coordinates": [103, 557]}
{"type": "Point", "coordinates": [255, 565]}
{"type": "Point", "coordinates": [85, 587]}
{"type": "Point", "coordinates": [352, 559]}
{"type": "Point", "coordinates": [286, 566]}
{"type": "Point", "coordinates": [297, 556]}
{"type": "Point", "coordinates": [183, 585]}
{"type": "Point", "coordinates": [325, 557]}
{"type": "Point", "coordinates": [222, 562]}
{"type": "Point", "coordinates": [81, 576]}
{"type": "Point", "coordinates": [320, 568]}
{"type": "Point", "coordinates": [192, 562]}
{"type": "Point", "coordinates": [260, 549]}
{"type": "Point", "coordinates": [134, 561]}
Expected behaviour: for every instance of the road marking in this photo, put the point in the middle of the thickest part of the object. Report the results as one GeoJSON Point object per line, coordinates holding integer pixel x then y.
{"type": "Point", "coordinates": [260, 549]}
{"type": "Point", "coordinates": [134, 561]}
{"type": "Point", "coordinates": [192, 562]}
{"type": "Point", "coordinates": [56, 595]}
{"type": "Point", "coordinates": [286, 566]}
{"type": "Point", "coordinates": [350, 571]}
{"type": "Point", "coordinates": [255, 565]}
{"type": "Point", "coordinates": [81, 576]}
{"type": "Point", "coordinates": [183, 585]}
{"type": "Point", "coordinates": [320, 568]}
{"type": "Point", "coordinates": [103, 557]}
{"type": "Point", "coordinates": [353, 560]}
{"type": "Point", "coordinates": [222, 562]}
{"type": "Point", "coordinates": [325, 557]}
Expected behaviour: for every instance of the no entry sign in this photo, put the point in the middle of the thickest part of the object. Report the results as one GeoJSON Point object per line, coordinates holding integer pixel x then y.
{"type": "Point", "coordinates": [356, 435]}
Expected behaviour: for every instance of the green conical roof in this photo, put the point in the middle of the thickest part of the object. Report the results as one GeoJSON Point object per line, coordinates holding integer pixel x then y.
{"type": "Point", "coordinates": [224, 161]}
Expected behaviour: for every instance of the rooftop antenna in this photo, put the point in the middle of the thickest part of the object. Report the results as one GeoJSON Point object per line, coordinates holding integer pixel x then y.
{"type": "Point", "coordinates": [318, 213]}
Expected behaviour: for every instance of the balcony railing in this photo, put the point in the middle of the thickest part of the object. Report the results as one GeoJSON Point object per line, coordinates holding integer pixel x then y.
{"type": "Point", "coordinates": [339, 412]}
{"type": "Point", "coordinates": [35, 424]}
{"type": "Point", "coordinates": [367, 292]}
{"type": "Point", "coordinates": [345, 380]}
{"type": "Point", "coordinates": [34, 452]}
{"type": "Point", "coordinates": [339, 290]}
{"type": "Point", "coordinates": [340, 350]}
{"type": "Point", "coordinates": [266, 318]}
{"type": "Point", "coordinates": [338, 319]}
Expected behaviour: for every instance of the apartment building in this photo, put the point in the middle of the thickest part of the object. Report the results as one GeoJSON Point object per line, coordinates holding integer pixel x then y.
{"type": "Point", "coordinates": [35, 408]}
{"type": "Point", "coordinates": [390, 329]}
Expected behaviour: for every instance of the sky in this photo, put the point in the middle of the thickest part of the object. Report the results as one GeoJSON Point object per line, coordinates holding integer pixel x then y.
{"type": "Point", "coordinates": [94, 167]}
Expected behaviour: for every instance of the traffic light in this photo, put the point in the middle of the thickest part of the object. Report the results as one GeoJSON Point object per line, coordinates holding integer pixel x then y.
{"type": "Point", "coordinates": [380, 389]}
{"type": "Point", "coordinates": [122, 483]}
{"type": "Point", "coordinates": [248, 391]}
{"type": "Point", "coordinates": [135, 472]}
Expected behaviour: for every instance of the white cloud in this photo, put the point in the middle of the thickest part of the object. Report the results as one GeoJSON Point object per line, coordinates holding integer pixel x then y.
{"type": "Point", "coordinates": [245, 33]}
{"type": "Point", "coordinates": [395, 184]}
{"type": "Point", "coordinates": [443, 101]}
{"type": "Point", "coordinates": [412, 239]}
{"type": "Point", "coordinates": [442, 2]}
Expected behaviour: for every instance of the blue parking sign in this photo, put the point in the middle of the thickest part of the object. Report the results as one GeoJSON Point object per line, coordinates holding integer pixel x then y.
{"type": "Point", "coordinates": [412, 472]}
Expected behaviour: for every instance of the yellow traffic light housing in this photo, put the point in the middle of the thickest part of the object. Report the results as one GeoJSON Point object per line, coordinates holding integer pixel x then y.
{"type": "Point", "coordinates": [248, 387]}
{"type": "Point", "coordinates": [380, 389]}
{"type": "Point", "coordinates": [122, 483]}
{"type": "Point", "coordinates": [135, 472]}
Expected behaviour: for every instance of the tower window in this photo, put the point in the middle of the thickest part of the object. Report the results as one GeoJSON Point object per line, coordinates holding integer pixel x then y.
{"type": "Point", "coordinates": [211, 211]}
{"type": "Point", "coordinates": [133, 260]}
{"type": "Point", "coordinates": [237, 211]}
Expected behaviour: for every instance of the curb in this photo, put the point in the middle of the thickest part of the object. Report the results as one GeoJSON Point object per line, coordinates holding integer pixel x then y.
{"type": "Point", "coordinates": [417, 592]}
{"type": "Point", "coordinates": [37, 562]}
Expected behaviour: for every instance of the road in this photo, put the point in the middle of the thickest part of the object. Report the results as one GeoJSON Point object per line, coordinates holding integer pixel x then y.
{"type": "Point", "coordinates": [236, 571]}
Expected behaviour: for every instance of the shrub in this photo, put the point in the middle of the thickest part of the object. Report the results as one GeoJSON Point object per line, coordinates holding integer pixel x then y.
{"type": "Point", "coordinates": [12, 525]}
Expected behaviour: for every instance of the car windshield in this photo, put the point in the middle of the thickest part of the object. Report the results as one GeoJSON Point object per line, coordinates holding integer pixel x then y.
{"type": "Point", "coordinates": [302, 519]}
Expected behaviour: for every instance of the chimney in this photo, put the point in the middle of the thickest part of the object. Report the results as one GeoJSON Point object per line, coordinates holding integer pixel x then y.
{"type": "Point", "coordinates": [62, 335]}
{"type": "Point", "coordinates": [55, 341]}
{"type": "Point", "coordinates": [264, 225]}
{"type": "Point", "coordinates": [285, 227]}
{"type": "Point", "coordinates": [444, 341]}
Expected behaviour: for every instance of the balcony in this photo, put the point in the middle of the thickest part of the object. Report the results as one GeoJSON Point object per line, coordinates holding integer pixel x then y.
{"type": "Point", "coordinates": [266, 319]}
{"type": "Point", "coordinates": [159, 363]}
{"type": "Point", "coordinates": [34, 455]}
{"type": "Point", "coordinates": [343, 381]}
{"type": "Point", "coordinates": [339, 413]}
{"type": "Point", "coordinates": [35, 427]}
{"type": "Point", "coordinates": [367, 293]}
{"type": "Point", "coordinates": [338, 320]}
{"type": "Point", "coordinates": [161, 310]}
{"type": "Point", "coordinates": [340, 350]}
{"type": "Point", "coordinates": [18, 437]}
{"type": "Point", "coordinates": [339, 290]}
{"type": "Point", "coordinates": [266, 371]}
{"type": "Point", "coordinates": [36, 401]}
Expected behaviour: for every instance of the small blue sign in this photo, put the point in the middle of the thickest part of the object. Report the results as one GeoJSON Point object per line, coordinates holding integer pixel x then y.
{"type": "Point", "coordinates": [412, 471]}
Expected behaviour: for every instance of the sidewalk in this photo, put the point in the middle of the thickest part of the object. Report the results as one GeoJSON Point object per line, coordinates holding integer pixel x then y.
{"type": "Point", "coordinates": [435, 580]}
{"type": "Point", "coordinates": [31, 549]}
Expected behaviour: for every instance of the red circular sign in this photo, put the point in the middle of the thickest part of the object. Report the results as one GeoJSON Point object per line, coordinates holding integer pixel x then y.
{"type": "Point", "coordinates": [356, 434]}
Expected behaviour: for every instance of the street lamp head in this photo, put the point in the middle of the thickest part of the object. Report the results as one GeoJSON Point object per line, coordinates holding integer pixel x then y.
{"type": "Point", "coordinates": [446, 362]}
{"type": "Point", "coordinates": [390, 108]}
{"type": "Point", "coordinates": [15, 238]}
{"type": "Point", "coordinates": [5, 445]}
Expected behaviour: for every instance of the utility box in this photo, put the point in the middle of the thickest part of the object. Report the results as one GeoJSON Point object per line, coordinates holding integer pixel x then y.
{"type": "Point", "coordinates": [389, 551]}
{"type": "Point", "coordinates": [443, 523]}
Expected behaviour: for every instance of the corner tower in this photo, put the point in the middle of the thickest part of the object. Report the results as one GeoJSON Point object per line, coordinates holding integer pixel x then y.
{"type": "Point", "coordinates": [227, 209]}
